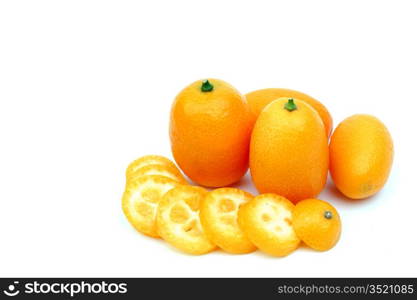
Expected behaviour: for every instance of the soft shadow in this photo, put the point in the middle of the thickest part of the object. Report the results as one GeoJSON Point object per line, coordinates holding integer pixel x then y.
{"type": "Point", "coordinates": [245, 183]}
{"type": "Point", "coordinates": [245, 180]}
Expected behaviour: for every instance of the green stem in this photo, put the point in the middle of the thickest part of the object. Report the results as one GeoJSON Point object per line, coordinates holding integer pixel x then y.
{"type": "Point", "coordinates": [206, 86]}
{"type": "Point", "coordinates": [290, 105]}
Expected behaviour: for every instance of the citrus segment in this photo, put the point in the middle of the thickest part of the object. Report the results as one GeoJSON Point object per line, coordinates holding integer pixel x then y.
{"type": "Point", "coordinates": [218, 215]}
{"type": "Point", "coordinates": [267, 222]}
{"type": "Point", "coordinates": [140, 201]}
{"type": "Point", "coordinates": [178, 220]}
{"type": "Point", "coordinates": [148, 160]}
{"type": "Point", "coordinates": [161, 170]}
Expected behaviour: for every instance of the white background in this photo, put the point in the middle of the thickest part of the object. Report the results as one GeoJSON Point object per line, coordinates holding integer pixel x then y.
{"type": "Point", "coordinates": [86, 87]}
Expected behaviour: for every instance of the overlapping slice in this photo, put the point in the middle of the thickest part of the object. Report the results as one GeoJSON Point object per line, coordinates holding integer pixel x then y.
{"type": "Point", "coordinates": [148, 160]}
{"type": "Point", "coordinates": [161, 170]}
{"type": "Point", "coordinates": [267, 222]}
{"type": "Point", "coordinates": [178, 220]}
{"type": "Point", "coordinates": [140, 201]}
{"type": "Point", "coordinates": [317, 224]}
{"type": "Point", "coordinates": [218, 215]}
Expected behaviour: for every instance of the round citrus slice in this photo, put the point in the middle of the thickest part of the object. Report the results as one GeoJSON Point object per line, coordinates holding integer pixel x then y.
{"type": "Point", "coordinates": [267, 222]}
{"type": "Point", "coordinates": [140, 201]}
{"type": "Point", "coordinates": [171, 172]}
{"type": "Point", "coordinates": [218, 215]}
{"type": "Point", "coordinates": [178, 220]}
{"type": "Point", "coordinates": [317, 224]}
{"type": "Point", "coordinates": [148, 160]}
